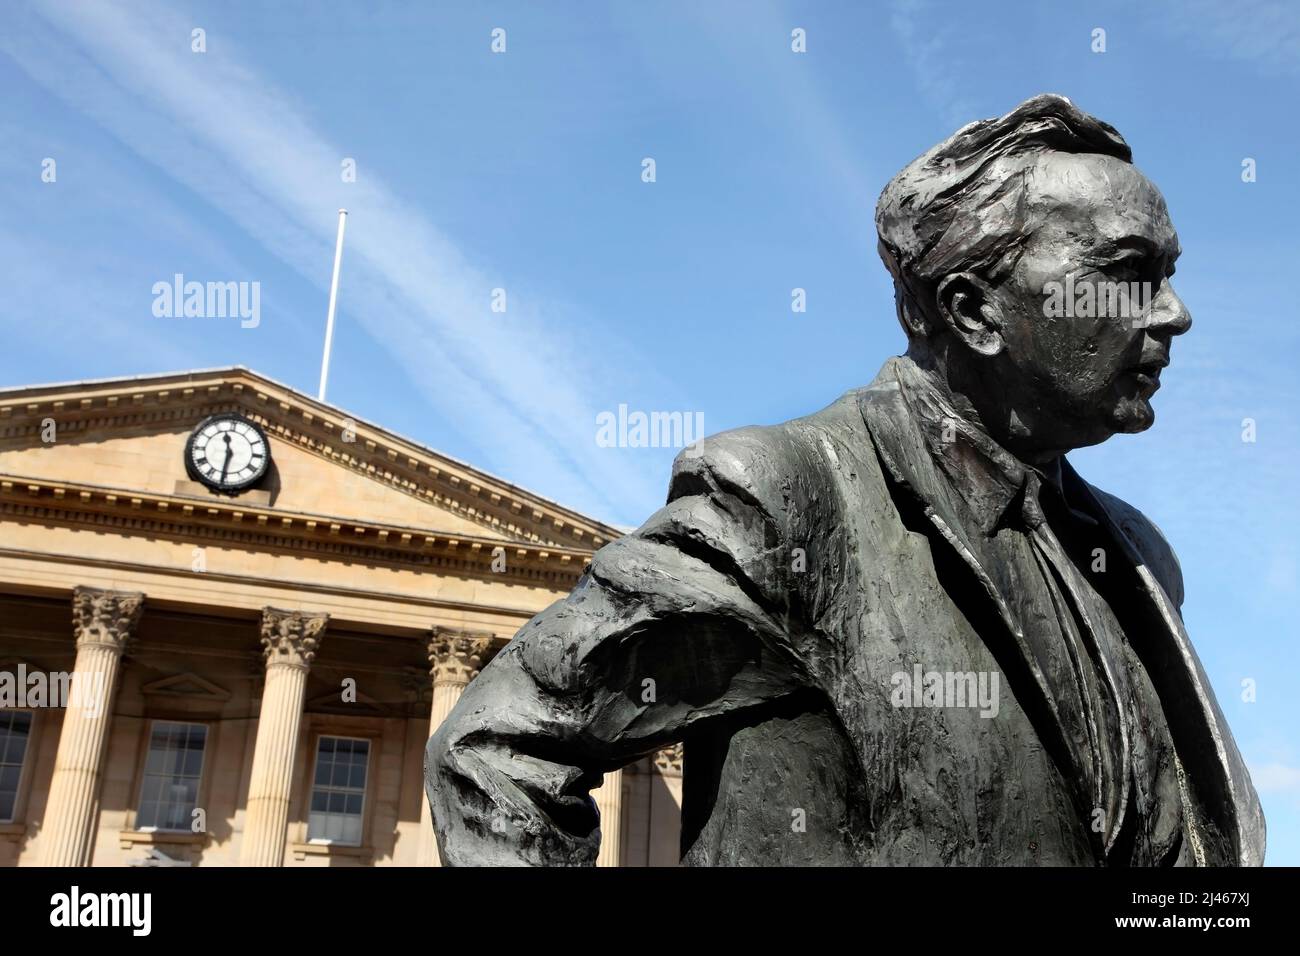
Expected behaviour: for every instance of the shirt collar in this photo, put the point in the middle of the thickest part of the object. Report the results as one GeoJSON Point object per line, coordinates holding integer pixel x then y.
{"type": "Point", "coordinates": [998, 488]}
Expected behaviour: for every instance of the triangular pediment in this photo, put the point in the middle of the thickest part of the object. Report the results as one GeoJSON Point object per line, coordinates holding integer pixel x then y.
{"type": "Point", "coordinates": [329, 468]}
{"type": "Point", "coordinates": [191, 686]}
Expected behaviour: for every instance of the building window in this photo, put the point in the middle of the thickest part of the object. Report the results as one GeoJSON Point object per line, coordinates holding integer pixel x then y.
{"type": "Point", "coordinates": [171, 776]}
{"type": "Point", "coordinates": [15, 731]}
{"type": "Point", "coordinates": [339, 790]}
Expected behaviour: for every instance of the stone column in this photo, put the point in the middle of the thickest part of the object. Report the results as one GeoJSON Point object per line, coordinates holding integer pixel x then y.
{"type": "Point", "coordinates": [103, 622]}
{"type": "Point", "coordinates": [290, 640]}
{"type": "Point", "coordinates": [455, 657]}
{"type": "Point", "coordinates": [609, 800]}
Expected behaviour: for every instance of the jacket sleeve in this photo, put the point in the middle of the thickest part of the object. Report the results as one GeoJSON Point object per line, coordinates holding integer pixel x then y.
{"type": "Point", "coordinates": [681, 621]}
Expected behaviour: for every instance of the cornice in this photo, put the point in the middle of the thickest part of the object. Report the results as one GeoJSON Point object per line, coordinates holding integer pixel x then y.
{"type": "Point", "coordinates": [163, 401]}
{"type": "Point", "coordinates": [229, 521]}
{"type": "Point", "coordinates": [435, 605]}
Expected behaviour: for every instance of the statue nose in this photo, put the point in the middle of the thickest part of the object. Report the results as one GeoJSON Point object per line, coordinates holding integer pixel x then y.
{"type": "Point", "coordinates": [1170, 315]}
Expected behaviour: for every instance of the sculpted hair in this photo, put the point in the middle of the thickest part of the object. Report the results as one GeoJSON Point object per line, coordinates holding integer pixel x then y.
{"type": "Point", "coordinates": [959, 206]}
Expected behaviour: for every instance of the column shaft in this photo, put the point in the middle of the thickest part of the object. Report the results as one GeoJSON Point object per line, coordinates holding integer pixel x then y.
{"type": "Point", "coordinates": [609, 801]}
{"type": "Point", "coordinates": [266, 822]}
{"type": "Point", "coordinates": [103, 621]}
{"type": "Point", "coordinates": [290, 640]}
{"type": "Point", "coordinates": [454, 658]}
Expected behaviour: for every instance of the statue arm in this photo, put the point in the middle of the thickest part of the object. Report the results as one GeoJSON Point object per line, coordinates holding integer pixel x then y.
{"type": "Point", "coordinates": [671, 625]}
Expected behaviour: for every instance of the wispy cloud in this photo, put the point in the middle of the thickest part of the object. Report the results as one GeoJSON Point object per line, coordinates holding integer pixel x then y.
{"type": "Point", "coordinates": [758, 47]}
{"type": "Point", "coordinates": [249, 150]}
{"type": "Point", "coordinates": [1263, 33]}
{"type": "Point", "coordinates": [925, 35]}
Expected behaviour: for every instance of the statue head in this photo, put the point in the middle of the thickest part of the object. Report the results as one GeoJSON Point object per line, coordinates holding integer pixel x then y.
{"type": "Point", "coordinates": [1031, 264]}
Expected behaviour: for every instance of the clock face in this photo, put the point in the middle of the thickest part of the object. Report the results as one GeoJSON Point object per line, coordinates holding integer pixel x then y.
{"type": "Point", "coordinates": [227, 453]}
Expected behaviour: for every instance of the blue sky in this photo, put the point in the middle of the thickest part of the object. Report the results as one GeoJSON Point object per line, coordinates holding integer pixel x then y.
{"type": "Point", "coordinates": [523, 171]}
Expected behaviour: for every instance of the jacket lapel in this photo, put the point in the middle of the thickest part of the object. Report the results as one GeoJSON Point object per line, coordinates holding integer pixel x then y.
{"type": "Point", "coordinates": [1204, 744]}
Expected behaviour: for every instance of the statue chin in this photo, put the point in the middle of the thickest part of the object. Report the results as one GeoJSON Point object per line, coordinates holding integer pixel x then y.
{"type": "Point", "coordinates": [1133, 415]}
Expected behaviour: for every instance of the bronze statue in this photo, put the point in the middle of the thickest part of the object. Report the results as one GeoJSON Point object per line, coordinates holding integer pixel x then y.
{"type": "Point", "coordinates": [901, 630]}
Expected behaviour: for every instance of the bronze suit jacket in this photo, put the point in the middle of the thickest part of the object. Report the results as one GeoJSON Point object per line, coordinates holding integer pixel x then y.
{"type": "Point", "coordinates": [759, 617]}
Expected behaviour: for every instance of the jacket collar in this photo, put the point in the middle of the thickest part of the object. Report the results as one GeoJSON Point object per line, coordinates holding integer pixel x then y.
{"type": "Point", "coordinates": [996, 487]}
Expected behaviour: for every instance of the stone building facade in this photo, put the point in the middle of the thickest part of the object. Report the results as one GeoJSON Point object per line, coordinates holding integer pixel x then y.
{"type": "Point", "coordinates": [189, 677]}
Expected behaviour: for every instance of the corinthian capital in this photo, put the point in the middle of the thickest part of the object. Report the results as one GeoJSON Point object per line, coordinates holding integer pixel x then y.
{"type": "Point", "coordinates": [291, 637]}
{"type": "Point", "coordinates": [456, 656]}
{"type": "Point", "coordinates": [105, 617]}
{"type": "Point", "coordinates": [669, 760]}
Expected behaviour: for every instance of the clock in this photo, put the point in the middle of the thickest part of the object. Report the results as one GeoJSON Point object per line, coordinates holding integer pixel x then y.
{"type": "Point", "coordinates": [228, 453]}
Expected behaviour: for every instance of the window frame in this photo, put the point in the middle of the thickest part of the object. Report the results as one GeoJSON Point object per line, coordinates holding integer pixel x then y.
{"type": "Point", "coordinates": [149, 723]}
{"type": "Point", "coordinates": [365, 791]}
{"type": "Point", "coordinates": [20, 791]}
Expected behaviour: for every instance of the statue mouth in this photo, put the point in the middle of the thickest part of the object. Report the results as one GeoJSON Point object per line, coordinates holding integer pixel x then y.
{"type": "Point", "coordinates": [1147, 373]}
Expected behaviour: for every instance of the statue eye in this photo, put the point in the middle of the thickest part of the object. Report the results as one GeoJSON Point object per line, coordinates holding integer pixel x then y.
{"type": "Point", "coordinates": [1134, 266]}
{"type": "Point", "coordinates": [1126, 269]}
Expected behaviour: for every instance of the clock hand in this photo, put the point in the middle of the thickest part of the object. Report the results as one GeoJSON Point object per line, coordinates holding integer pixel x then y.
{"type": "Point", "coordinates": [226, 462]}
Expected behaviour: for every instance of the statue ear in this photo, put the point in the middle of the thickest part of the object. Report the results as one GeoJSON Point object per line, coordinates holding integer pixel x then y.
{"type": "Point", "coordinates": [970, 310]}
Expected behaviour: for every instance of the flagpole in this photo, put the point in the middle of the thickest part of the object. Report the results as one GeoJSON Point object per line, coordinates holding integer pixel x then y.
{"type": "Point", "coordinates": [334, 295]}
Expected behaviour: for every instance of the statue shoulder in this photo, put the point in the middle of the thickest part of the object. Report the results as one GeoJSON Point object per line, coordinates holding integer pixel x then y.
{"type": "Point", "coordinates": [766, 466]}
{"type": "Point", "coordinates": [1151, 544]}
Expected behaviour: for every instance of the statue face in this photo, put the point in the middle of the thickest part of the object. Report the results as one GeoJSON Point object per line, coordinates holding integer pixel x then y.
{"type": "Point", "coordinates": [1077, 366]}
